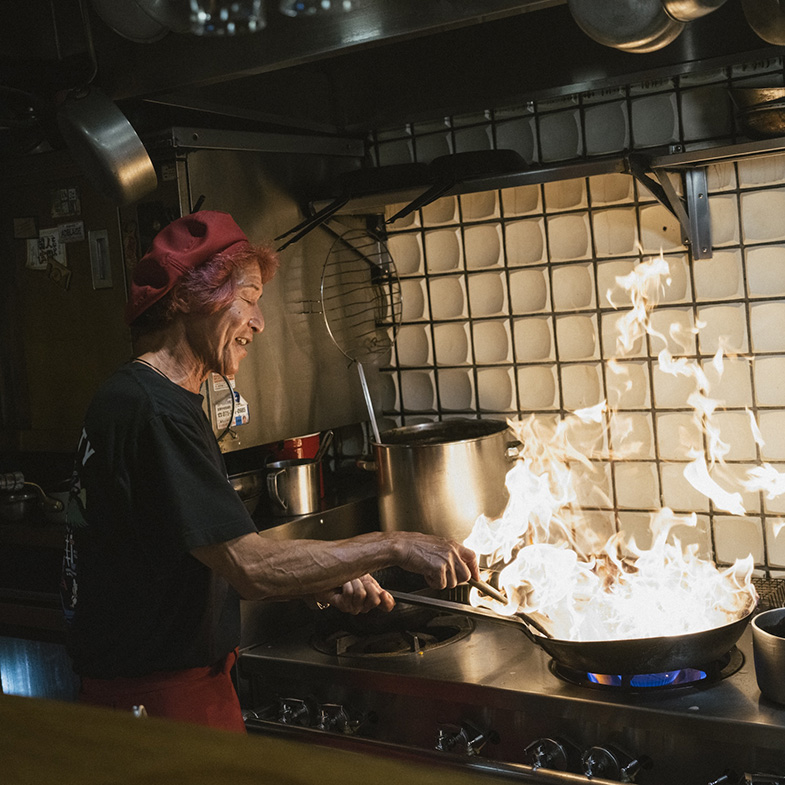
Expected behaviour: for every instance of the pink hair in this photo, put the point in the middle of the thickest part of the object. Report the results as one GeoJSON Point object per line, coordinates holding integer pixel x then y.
{"type": "Point", "coordinates": [210, 287]}
{"type": "Point", "coordinates": [207, 288]}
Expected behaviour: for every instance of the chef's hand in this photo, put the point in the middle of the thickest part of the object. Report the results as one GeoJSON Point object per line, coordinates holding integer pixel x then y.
{"type": "Point", "coordinates": [358, 596]}
{"type": "Point", "coordinates": [443, 563]}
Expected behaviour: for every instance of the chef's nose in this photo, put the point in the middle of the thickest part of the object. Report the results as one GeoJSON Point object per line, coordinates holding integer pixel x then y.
{"type": "Point", "coordinates": [256, 322]}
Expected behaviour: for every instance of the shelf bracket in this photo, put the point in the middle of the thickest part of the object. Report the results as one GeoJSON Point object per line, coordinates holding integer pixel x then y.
{"type": "Point", "coordinates": [699, 213]}
{"type": "Point", "coordinates": [692, 212]}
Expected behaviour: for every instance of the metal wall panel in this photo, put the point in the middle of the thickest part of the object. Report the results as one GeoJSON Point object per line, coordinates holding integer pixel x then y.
{"type": "Point", "coordinates": [295, 379]}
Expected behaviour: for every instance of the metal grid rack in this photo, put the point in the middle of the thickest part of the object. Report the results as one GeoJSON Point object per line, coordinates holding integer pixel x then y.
{"type": "Point", "coordinates": [489, 277]}
{"type": "Point", "coordinates": [771, 592]}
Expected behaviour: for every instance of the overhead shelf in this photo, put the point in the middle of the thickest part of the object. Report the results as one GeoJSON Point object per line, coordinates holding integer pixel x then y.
{"type": "Point", "coordinates": [651, 160]}
{"type": "Point", "coordinates": [722, 154]}
{"type": "Point", "coordinates": [652, 168]}
{"type": "Point", "coordinates": [415, 185]}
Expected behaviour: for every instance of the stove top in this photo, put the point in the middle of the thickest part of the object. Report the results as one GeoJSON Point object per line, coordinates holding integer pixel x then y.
{"type": "Point", "coordinates": [497, 686]}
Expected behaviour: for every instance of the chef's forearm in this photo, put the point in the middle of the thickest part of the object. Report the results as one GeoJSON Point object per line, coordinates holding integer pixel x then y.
{"type": "Point", "coordinates": [270, 569]}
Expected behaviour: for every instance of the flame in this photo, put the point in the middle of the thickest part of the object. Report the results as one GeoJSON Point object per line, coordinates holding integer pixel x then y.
{"type": "Point", "coordinates": [767, 479]}
{"type": "Point", "coordinates": [697, 474]}
{"type": "Point", "coordinates": [548, 560]}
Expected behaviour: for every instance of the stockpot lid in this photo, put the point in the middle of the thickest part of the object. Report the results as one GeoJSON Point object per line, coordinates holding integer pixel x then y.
{"type": "Point", "coordinates": [439, 433]}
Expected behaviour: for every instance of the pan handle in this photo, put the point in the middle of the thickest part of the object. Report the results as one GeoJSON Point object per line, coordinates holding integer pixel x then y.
{"type": "Point", "coordinates": [466, 610]}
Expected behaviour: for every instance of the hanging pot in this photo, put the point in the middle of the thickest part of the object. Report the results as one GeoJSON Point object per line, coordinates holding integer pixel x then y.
{"type": "Point", "coordinates": [106, 147]}
{"type": "Point", "coordinates": [638, 26]}
{"type": "Point", "coordinates": [767, 19]}
{"type": "Point", "coordinates": [130, 20]}
{"type": "Point", "coordinates": [688, 10]}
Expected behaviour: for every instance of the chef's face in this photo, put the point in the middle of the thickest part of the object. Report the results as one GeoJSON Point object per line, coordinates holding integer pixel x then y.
{"type": "Point", "coordinates": [220, 339]}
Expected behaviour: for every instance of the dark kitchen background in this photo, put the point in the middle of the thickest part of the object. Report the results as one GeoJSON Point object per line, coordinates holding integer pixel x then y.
{"type": "Point", "coordinates": [508, 273]}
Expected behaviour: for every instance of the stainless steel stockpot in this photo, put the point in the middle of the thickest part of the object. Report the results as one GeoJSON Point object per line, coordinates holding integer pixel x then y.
{"type": "Point", "coordinates": [437, 478]}
{"type": "Point", "coordinates": [768, 646]}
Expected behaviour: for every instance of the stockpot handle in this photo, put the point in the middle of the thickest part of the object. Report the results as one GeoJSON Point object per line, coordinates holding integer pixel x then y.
{"type": "Point", "coordinates": [512, 450]}
{"type": "Point", "coordinates": [272, 487]}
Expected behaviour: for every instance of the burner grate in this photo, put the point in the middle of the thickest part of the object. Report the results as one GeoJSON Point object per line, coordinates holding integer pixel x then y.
{"type": "Point", "coordinates": [441, 630]}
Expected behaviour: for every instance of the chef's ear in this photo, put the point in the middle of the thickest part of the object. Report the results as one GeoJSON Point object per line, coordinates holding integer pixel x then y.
{"type": "Point", "coordinates": [180, 304]}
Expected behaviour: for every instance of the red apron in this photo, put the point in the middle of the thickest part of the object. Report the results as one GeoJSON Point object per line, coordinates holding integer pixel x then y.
{"type": "Point", "coordinates": [205, 696]}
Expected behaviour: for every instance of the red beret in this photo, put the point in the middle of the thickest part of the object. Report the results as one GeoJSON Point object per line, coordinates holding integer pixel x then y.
{"type": "Point", "coordinates": [184, 244]}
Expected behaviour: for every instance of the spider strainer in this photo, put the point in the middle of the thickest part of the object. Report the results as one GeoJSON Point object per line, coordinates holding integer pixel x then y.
{"type": "Point", "coordinates": [361, 301]}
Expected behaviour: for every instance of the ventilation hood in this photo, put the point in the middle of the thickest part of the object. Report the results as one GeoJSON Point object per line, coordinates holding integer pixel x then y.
{"type": "Point", "coordinates": [397, 61]}
{"type": "Point", "coordinates": [383, 64]}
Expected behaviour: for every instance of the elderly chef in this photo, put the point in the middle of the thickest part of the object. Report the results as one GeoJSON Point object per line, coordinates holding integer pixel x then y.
{"type": "Point", "coordinates": [160, 548]}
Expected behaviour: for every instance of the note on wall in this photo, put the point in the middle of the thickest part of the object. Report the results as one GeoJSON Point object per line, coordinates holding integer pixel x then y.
{"type": "Point", "coordinates": [45, 249]}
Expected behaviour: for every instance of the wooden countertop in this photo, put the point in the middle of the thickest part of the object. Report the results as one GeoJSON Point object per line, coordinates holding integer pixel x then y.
{"type": "Point", "coordinates": [58, 743]}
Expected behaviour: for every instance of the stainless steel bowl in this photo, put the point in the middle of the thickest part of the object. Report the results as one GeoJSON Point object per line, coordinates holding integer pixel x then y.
{"type": "Point", "coordinates": [17, 506]}
{"type": "Point", "coordinates": [768, 646]}
{"type": "Point", "coordinates": [249, 486]}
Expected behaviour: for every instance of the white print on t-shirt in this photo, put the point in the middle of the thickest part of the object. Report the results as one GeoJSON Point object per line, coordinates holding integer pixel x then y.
{"type": "Point", "coordinates": [87, 451]}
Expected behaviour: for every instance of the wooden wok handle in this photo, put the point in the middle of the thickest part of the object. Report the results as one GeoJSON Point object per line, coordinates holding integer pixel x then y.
{"type": "Point", "coordinates": [495, 594]}
{"type": "Point", "coordinates": [488, 590]}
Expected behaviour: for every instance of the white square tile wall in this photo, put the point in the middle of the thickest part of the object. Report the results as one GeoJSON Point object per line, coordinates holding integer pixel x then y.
{"type": "Point", "coordinates": [513, 305]}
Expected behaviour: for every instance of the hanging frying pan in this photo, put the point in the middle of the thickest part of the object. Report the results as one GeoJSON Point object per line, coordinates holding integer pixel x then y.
{"type": "Point", "coordinates": [450, 171]}
{"type": "Point", "coordinates": [632, 656]}
{"type": "Point", "coordinates": [361, 301]}
{"type": "Point", "coordinates": [105, 146]}
{"type": "Point", "coordinates": [359, 183]}
{"type": "Point", "coordinates": [102, 141]}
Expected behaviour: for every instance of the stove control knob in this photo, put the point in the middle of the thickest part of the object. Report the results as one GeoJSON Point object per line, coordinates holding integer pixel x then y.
{"type": "Point", "coordinates": [611, 763]}
{"type": "Point", "coordinates": [295, 711]}
{"type": "Point", "coordinates": [556, 753]}
{"type": "Point", "coordinates": [334, 718]}
{"type": "Point", "coordinates": [464, 739]}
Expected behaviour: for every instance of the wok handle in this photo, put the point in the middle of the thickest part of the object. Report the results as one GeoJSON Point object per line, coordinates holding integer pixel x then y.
{"type": "Point", "coordinates": [466, 610]}
{"type": "Point", "coordinates": [495, 594]}
{"type": "Point", "coordinates": [488, 590]}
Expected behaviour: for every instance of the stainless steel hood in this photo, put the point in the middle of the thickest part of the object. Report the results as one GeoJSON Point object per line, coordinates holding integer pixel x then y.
{"type": "Point", "coordinates": [386, 63]}
{"type": "Point", "coordinates": [398, 61]}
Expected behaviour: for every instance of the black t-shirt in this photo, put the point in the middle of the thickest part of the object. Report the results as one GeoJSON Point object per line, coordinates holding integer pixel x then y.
{"type": "Point", "coordinates": [150, 485]}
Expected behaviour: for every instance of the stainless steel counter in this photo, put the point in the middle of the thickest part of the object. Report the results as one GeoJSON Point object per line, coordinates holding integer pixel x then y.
{"type": "Point", "coordinates": [497, 680]}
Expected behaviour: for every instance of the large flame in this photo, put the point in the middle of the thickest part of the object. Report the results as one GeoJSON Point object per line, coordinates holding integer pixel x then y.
{"type": "Point", "coordinates": [583, 586]}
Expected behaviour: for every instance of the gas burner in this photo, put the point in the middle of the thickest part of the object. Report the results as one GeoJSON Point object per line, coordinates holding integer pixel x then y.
{"type": "Point", "coordinates": [702, 675]}
{"type": "Point", "coordinates": [440, 630]}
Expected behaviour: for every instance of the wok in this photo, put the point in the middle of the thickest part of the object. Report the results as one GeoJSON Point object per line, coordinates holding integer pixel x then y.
{"type": "Point", "coordinates": [631, 656]}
